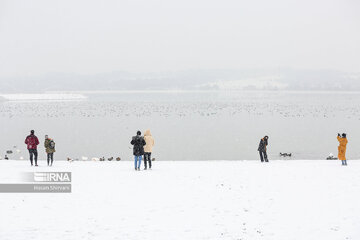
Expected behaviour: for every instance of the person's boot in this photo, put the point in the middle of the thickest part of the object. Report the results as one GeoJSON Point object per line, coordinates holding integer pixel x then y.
{"type": "Point", "coordinates": [136, 169]}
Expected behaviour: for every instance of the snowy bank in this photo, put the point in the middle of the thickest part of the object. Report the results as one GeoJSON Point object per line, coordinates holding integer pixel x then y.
{"type": "Point", "coordinates": [45, 96]}
{"type": "Point", "coordinates": [280, 200]}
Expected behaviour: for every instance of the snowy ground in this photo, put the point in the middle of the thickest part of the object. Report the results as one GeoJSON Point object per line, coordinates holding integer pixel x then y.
{"type": "Point", "coordinates": [188, 200]}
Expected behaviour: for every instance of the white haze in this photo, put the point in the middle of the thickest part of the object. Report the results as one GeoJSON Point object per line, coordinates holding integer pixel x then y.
{"type": "Point", "coordinates": [90, 37]}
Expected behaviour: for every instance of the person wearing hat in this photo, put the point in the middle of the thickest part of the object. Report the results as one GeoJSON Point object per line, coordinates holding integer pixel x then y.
{"type": "Point", "coordinates": [342, 148]}
{"type": "Point", "coordinates": [262, 149]}
{"type": "Point", "coordinates": [138, 150]}
{"type": "Point", "coordinates": [32, 141]}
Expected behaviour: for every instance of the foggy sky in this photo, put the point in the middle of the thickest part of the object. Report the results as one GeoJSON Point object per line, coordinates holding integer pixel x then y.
{"type": "Point", "coordinates": [88, 37]}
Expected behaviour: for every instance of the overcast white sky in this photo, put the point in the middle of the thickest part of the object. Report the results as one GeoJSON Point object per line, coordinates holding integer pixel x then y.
{"type": "Point", "coordinates": [40, 36]}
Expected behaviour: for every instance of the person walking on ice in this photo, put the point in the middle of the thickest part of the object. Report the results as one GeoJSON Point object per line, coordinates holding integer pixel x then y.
{"type": "Point", "coordinates": [50, 149]}
{"type": "Point", "coordinates": [138, 142]}
{"type": "Point", "coordinates": [32, 141]}
{"type": "Point", "coordinates": [263, 148]}
{"type": "Point", "coordinates": [149, 140]}
{"type": "Point", "coordinates": [342, 148]}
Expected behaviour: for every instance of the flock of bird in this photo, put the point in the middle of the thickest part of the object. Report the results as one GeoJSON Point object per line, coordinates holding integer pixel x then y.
{"type": "Point", "coordinates": [95, 159]}
{"type": "Point", "coordinates": [17, 151]}
{"type": "Point", "coordinates": [14, 151]}
{"type": "Point", "coordinates": [287, 109]}
{"type": "Point", "coordinates": [101, 159]}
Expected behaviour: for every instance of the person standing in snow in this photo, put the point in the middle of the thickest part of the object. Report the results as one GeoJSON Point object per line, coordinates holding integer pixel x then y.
{"type": "Point", "coordinates": [263, 148]}
{"type": "Point", "coordinates": [342, 148]}
{"type": "Point", "coordinates": [49, 145]}
{"type": "Point", "coordinates": [149, 140]}
{"type": "Point", "coordinates": [32, 141]}
{"type": "Point", "coordinates": [138, 142]}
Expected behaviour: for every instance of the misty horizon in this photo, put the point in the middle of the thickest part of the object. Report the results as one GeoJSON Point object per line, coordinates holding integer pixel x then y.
{"type": "Point", "coordinates": [89, 38]}
{"type": "Point", "coordinates": [190, 80]}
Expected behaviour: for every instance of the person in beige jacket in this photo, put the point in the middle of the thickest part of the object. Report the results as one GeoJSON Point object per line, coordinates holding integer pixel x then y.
{"type": "Point", "coordinates": [148, 148]}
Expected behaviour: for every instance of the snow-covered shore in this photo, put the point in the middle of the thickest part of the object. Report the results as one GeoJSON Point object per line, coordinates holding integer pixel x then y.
{"type": "Point", "coordinates": [42, 97]}
{"type": "Point", "coordinates": [188, 200]}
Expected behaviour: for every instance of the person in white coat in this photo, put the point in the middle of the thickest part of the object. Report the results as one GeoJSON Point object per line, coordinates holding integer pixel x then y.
{"type": "Point", "coordinates": [149, 140]}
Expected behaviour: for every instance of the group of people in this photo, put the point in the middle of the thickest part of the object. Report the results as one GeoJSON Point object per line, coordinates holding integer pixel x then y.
{"type": "Point", "coordinates": [341, 148]}
{"type": "Point", "coordinates": [32, 142]}
{"type": "Point", "coordinates": [142, 147]}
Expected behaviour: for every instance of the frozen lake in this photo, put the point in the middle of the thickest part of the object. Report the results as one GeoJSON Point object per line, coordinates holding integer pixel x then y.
{"type": "Point", "coordinates": [186, 125]}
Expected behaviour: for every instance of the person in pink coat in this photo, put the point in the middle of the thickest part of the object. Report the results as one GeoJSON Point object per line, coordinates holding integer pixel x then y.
{"type": "Point", "coordinates": [32, 141]}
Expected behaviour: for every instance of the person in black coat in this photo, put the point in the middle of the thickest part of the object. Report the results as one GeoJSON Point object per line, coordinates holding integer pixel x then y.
{"type": "Point", "coordinates": [138, 142]}
{"type": "Point", "coordinates": [262, 149]}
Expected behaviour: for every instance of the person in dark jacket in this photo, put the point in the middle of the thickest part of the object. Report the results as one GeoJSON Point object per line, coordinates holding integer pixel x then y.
{"type": "Point", "coordinates": [262, 149]}
{"type": "Point", "coordinates": [32, 141]}
{"type": "Point", "coordinates": [138, 142]}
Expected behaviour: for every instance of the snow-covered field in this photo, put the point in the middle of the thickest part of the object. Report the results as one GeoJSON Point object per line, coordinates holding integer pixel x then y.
{"type": "Point", "coordinates": [286, 200]}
